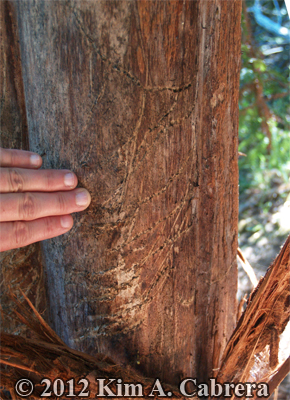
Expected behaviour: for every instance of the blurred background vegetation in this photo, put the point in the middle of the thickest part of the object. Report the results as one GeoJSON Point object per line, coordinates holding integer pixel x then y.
{"type": "Point", "coordinates": [264, 137]}
{"type": "Point", "coordinates": [264, 94]}
{"type": "Point", "coordinates": [264, 133]}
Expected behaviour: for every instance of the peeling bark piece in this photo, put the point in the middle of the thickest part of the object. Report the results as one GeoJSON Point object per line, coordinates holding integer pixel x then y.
{"type": "Point", "coordinates": [259, 328]}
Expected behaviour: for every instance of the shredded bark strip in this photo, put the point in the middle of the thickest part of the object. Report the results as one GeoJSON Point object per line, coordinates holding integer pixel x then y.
{"type": "Point", "coordinates": [250, 356]}
{"type": "Point", "coordinates": [48, 356]}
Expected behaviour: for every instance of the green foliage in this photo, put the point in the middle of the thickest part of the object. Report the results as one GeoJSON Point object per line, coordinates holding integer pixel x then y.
{"type": "Point", "coordinates": [265, 65]}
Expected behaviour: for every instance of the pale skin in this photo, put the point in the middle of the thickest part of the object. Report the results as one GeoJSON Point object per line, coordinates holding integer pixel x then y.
{"type": "Point", "coordinates": [35, 204]}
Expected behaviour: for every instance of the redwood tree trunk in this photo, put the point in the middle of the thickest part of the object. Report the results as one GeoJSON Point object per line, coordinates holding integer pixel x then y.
{"type": "Point", "coordinates": [20, 268]}
{"type": "Point", "coordinates": [140, 100]}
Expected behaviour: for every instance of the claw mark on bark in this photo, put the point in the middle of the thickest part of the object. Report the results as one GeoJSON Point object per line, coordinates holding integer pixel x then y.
{"type": "Point", "coordinates": [117, 68]}
{"type": "Point", "coordinates": [129, 167]}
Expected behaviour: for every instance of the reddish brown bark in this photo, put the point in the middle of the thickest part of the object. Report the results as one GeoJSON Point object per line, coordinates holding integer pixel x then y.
{"type": "Point", "coordinates": [20, 267]}
{"type": "Point", "coordinates": [251, 354]}
{"type": "Point", "coordinates": [140, 99]}
{"type": "Point", "coordinates": [13, 117]}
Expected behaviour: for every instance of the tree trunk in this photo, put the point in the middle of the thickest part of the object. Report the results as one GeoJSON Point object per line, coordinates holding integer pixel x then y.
{"type": "Point", "coordinates": [140, 100]}
{"type": "Point", "coordinates": [21, 267]}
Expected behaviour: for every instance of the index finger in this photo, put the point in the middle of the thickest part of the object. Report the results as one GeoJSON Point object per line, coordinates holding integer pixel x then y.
{"type": "Point", "coordinates": [19, 158]}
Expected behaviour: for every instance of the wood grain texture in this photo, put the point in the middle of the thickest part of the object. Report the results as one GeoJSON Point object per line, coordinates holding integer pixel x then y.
{"type": "Point", "coordinates": [13, 123]}
{"type": "Point", "coordinates": [140, 99]}
{"type": "Point", "coordinates": [20, 268]}
{"type": "Point", "coordinates": [252, 352]}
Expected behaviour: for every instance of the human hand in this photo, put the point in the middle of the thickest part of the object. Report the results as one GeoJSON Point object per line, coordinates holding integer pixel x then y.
{"type": "Point", "coordinates": [35, 204]}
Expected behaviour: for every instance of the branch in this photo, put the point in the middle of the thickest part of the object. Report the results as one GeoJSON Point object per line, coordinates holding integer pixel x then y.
{"type": "Point", "coordinates": [247, 268]}
{"type": "Point", "coordinates": [267, 23]}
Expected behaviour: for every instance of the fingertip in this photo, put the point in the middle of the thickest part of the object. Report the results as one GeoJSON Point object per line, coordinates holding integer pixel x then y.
{"type": "Point", "coordinates": [35, 160]}
{"type": "Point", "coordinates": [83, 198]}
{"type": "Point", "coordinates": [70, 180]}
{"type": "Point", "coordinates": [66, 222]}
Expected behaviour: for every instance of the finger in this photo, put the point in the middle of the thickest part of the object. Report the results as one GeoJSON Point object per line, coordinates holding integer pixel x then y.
{"type": "Point", "coordinates": [30, 206]}
{"type": "Point", "coordinates": [19, 234]}
{"type": "Point", "coordinates": [29, 180]}
{"type": "Point", "coordinates": [19, 158]}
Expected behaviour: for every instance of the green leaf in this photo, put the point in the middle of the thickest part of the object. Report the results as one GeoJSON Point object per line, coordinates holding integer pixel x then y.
{"type": "Point", "coordinates": [260, 65]}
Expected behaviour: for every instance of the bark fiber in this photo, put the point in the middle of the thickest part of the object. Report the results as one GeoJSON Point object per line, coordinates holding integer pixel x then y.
{"type": "Point", "coordinates": [21, 267]}
{"type": "Point", "coordinates": [140, 100]}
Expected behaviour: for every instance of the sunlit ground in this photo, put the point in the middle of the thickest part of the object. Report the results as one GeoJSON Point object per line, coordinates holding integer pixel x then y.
{"type": "Point", "coordinates": [262, 230]}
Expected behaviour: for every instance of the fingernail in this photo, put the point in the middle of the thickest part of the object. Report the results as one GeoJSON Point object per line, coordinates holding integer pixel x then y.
{"type": "Point", "coordinates": [69, 179]}
{"type": "Point", "coordinates": [35, 159]}
{"type": "Point", "coordinates": [65, 221]}
{"type": "Point", "coordinates": [82, 198]}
